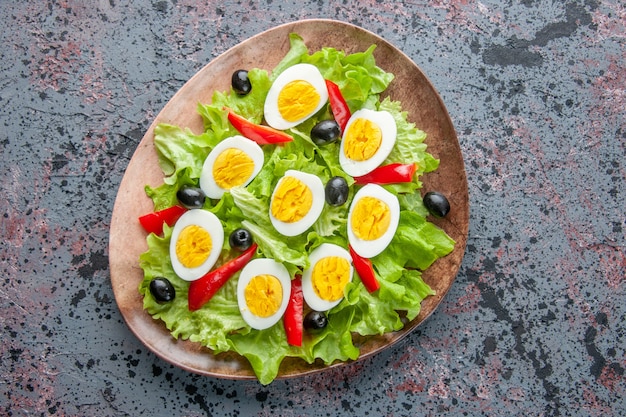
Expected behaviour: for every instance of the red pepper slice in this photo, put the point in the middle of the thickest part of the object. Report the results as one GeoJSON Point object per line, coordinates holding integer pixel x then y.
{"type": "Point", "coordinates": [153, 222]}
{"type": "Point", "coordinates": [338, 105]}
{"type": "Point", "coordinates": [388, 174]}
{"type": "Point", "coordinates": [263, 135]}
{"type": "Point", "coordinates": [203, 289]}
{"type": "Point", "coordinates": [364, 268]}
{"type": "Point", "coordinates": [293, 315]}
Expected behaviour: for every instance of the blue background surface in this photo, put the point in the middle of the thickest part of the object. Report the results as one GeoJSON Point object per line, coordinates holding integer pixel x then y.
{"type": "Point", "coordinates": [534, 323]}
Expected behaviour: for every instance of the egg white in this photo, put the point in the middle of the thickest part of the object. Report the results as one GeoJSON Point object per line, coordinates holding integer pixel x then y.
{"type": "Point", "coordinates": [250, 148]}
{"type": "Point", "coordinates": [371, 248]}
{"type": "Point", "coordinates": [317, 189]}
{"type": "Point", "coordinates": [310, 296]}
{"type": "Point", "coordinates": [387, 124]}
{"type": "Point", "coordinates": [209, 222]}
{"type": "Point", "coordinates": [263, 266]}
{"type": "Point", "coordinates": [305, 72]}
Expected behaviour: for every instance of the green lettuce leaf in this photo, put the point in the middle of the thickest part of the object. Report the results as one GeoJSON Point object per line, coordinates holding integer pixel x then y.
{"type": "Point", "coordinates": [180, 149]}
{"type": "Point", "coordinates": [416, 244]}
{"type": "Point", "coordinates": [164, 196]}
{"type": "Point", "coordinates": [249, 106]}
{"type": "Point", "coordinates": [359, 78]}
{"type": "Point", "coordinates": [297, 49]}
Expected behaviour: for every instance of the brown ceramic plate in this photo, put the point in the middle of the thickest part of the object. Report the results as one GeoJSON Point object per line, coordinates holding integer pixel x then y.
{"type": "Point", "coordinates": [410, 87]}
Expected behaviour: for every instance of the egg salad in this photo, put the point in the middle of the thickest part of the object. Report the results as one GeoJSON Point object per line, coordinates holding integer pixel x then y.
{"type": "Point", "coordinates": [300, 208]}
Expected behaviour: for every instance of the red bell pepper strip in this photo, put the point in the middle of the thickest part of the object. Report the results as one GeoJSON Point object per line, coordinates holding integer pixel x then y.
{"type": "Point", "coordinates": [263, 135]}
{"type": "Point", "coordinates": [203, 289]}
{"type": "Point", "coordinates": [338, 105]}
{"type": "Point", "coordinates": [153, 222]}
{"type": "Point", "coordinates": [292, 319]}
{"type": "Point", "coordinates": [388, 174]}
{"type": "Point", "coordinates": [364, 268]}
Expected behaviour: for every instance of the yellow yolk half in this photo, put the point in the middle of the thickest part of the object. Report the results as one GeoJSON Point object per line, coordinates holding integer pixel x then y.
{"type": "Point", "coordinates": [297, 100]}
{"type": "Point", "coordinates": [324, 282]}
{"type": "Point", "coordinates": [362, 140]}
{"type": "Point", "coordinates": [370, 219]}
{"type": "Point", "coordinates": [232, 167]}
{"type": "Point", "coordinates": [193, 246]}
{"type": "Point", "coordinates": [292, 200]}
{"type": "Point", "coordinates": [263, 290]}
{"type": "Point", "coordinates": [329, 277]}
{"type": "Point", "coordinates": [263, 295]}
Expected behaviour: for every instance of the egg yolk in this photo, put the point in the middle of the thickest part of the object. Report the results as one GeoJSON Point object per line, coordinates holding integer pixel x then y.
{"type": "Point", "coordinates": [193, 246]}
{"type": "Point", "coordinates": [264, 295]}
{"type": "Point", "coordinates": [329, 277]}
{"type": "Point", "coordinates": [292, 200]}
{"type": "Point", "coordinates": [362, 140]}
{"type": "Point", "coordinates": [232, 167]}
{"type": "Point", "coordinates": [297, 100]}
{"type": "Point", "coordinates": [370, 218]}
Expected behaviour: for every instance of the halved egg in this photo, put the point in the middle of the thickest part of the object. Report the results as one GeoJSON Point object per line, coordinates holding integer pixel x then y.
{"type": "Point", "coordinates": [323, 283]}
{"type": "Point", "coordinates": [263, 292]}
{"type": "Point", "coordinates": [196, 243]}
{"type": "Point", "coordinates": [233, 162]}
{"type": "Point", "coordinates": [296, 203]}
{"type": "Point", "coordinates": [367, 140]}
{"type": "Point", "coordinates": [297, 94]}
{"type": "Point", "coordinates": [372, 220]}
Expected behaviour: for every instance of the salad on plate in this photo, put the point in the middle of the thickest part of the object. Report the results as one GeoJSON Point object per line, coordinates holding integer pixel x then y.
{"type": "Point", "coordinates": [294, 221]}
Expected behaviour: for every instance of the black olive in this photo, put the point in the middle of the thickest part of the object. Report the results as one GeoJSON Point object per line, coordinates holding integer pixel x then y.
{"type": "Point", "coordinates": [315, 320]}
{"type": "Point", "coordinates": [336, 191]}
{"type": "Point", "coordinates": [162, 290]}
{"type": "Point", "coordinates": [241, 83]}
{"type": "Point", "coordinates": [325, 132]}
{"type": "Point", "coordinates": [191, 197]}
{"type": "Point", "coordinates": [436, 203]}
{"type": "Point", "coordinates": [240, 239]}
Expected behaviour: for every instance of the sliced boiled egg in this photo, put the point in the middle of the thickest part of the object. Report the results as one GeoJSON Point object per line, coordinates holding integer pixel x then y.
{"type": "Point", "coordinates": [233, 162]}
{"type": "Point", "coordinates": [297, 94]}
{"type": "Point", "coordinates": [367, 140]}
{"type": "Point", "coordinates": [296, 203]}
{"type": "Point", "coordinates": [196, 243]}
{"type": "Point", "coordinates": [263, 292]}
{"type": "Point", "coordinates": [372, 220]}
{"type": "Point", "coordinates": [323, 283]}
